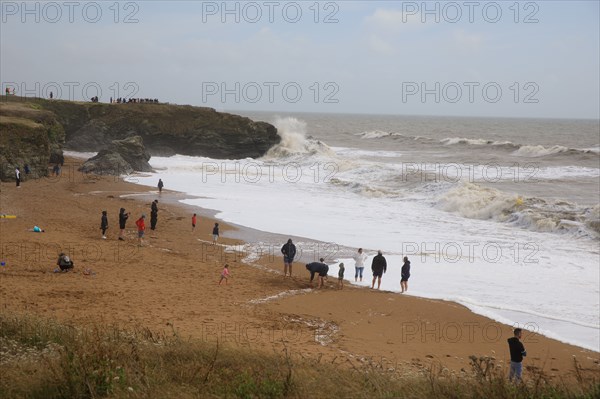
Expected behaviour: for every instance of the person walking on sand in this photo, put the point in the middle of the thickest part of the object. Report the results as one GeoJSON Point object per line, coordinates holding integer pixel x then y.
{"type": "Point", "coordinates": [517, 352]}
{"type": "Point", "coordinates": [224, 274]}
{"type": "Point", "coordinates": [104, 224]}
{"type": "Point", "coordinates": [122, 222]}
{"type": "Point", "coordinates": [193, 222]}
{"type": "Point", "coordinates": [317, 267]}
{"type": "Point", "coordinates": [160, 186]}
{"type": "Point", "coordinates": [141, 226]}
{"type": "Point", "coordinates": [405, 274]}
{"type": "Point", "coordinates": [153, 214]}
{"type": "Point", "coordinates": [378, 267]}
{"type": "Point", "coordinates": [359, 266]}
{"type": "Point", "coordinates": [289, 252]}
{"type": "Point", "coordinates": [215, 233]}
{"type": "Point", "coordinates": [341, 276]}
{"type": "Point", "coordinates": [18, 177]}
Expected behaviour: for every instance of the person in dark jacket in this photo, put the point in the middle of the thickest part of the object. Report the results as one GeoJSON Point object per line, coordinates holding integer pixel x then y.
{"type": "Point", "coordinates": [153, 214]}
{"type": "Point", "coordinates": [104, 224]}
{"type": "Point", "coordinates": [160, 185]}
{"type": "Point", "coordinates": [517, 352]}
{"type": "Point", "coordinates": [215, 233]}
{"type": "Point", "coordinates": [289, 252]}
{"type": "Point", "coordinates": [378, 267]}
{"type": "Point", "coordinates": [405, 274]}
{"type": "Point", "coordinates": [122, 222]}
{"type": "Point", "coordinates": [320, 268]}
{"type": "Point", "coordinates": [64, 262]}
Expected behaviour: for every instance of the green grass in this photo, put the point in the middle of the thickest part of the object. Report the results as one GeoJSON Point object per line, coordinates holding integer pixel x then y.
{"type": "Point", "coordinates": [45, 359]}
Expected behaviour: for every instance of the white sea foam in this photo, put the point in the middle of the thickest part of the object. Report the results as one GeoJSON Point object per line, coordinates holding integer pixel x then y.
{"type": "Point", "coordinates": [377, 134]}
{"type": "Point", "coordinates": [467, 243]}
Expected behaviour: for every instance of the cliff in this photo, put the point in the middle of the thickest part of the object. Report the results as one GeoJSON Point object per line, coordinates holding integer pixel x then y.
{"type": "Point", "coordinates": [35, 131]}
{"type": "Point", "coordinates": [29, 136]}
{"type": "Point", "coordinates": [165, 129]}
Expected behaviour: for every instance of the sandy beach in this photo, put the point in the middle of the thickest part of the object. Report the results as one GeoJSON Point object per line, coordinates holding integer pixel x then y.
{"type": "Point", "coordinates": [171, 284]}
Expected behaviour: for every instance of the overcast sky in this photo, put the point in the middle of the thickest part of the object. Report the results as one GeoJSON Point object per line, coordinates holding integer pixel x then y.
{"type": "Point", "coordinates": [525, 59]}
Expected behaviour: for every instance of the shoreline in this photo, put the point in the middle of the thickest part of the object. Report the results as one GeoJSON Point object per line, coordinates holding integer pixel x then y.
{"type": "Point", "coordinates": [254, 237]}
{"type": "Point", "coordinates": [171, 284]}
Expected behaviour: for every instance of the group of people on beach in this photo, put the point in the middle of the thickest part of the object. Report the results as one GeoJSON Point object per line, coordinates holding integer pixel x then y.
{"type": "Point", "coordinates": [140, 223]}
{"type": "Point", "coordinates": [378, 267]}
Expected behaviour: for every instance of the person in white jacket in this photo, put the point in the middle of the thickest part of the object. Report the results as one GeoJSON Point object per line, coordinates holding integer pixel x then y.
{"type": "Point", "coordinates": [360, 258]}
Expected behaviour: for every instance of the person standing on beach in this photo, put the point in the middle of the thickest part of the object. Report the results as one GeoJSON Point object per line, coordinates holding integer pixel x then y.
{"type": "Point", "coordinates": [360, 258]}
{"type": "Point", "coordinates": [122, 221]}
{"type": "Point", "coordinates": [104, 224]}
{"type": "Point", "coordinates": [405, 274]}
{"type": "Point", "coordinates": [289, 252]}
{"type": "Point", "coordinates": [341, 276]}
{"type": "Point", "coordinates": [224, 274]}
{"type": "Point", "coordinates": [378, 267]}
{"type": "Point", "coordinates": [517, 352]}
{"type": "Point", "coordinates": [160, 185]}
{"type": "Point", "coordinates": [193, 222]}
{"type": "Point", "coordinates": [18, 177]}
{"type": "Point", "coordinates": [215, 233]}
{"type": "Point", "coordinates": [153, 214]}
{"type": "Point", "coordinates": [317, 267]}
{"type": "Point", "coordinates": [141, 226]}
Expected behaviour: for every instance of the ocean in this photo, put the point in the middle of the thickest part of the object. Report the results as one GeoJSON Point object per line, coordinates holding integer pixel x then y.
{"type": "Point", "coordinates": [500, 215]}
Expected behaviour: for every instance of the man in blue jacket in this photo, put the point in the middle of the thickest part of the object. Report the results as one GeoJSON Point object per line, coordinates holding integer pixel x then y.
{"type": "Point", "coordinates": [378, 267]}
{"type": "Point", "coordinates": [289, 252]}
{"type": "Point", "coordinates": [320, 268]}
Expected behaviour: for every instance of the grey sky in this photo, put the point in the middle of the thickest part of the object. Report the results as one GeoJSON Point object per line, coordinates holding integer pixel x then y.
{"type": "Point", "coordinates": [525, 59]}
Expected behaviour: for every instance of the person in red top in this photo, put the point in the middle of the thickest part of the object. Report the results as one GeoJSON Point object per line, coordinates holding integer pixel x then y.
{"type": "Point", "coordinates": [141, 225]}
{"type": "Point", "coordinates": [193, 222]}
{"type": "Point", "coordinates": [224, 275]}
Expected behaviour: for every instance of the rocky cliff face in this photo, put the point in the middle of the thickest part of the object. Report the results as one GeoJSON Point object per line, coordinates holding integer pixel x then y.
{"type": "Point", "coordinates": [34, 132]}
{"type": "Point", "coordinates": [166, 129]}
{"type": "Point", "coordinates": [29, 136]}
{"type": "Point", "coordinates": [121, 157]}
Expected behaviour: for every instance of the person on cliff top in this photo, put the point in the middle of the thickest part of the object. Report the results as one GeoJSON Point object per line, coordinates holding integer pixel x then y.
{"type": "Point", "coordinates": [104, 224]}
{"type": "Point", "coordinates": [378, 267]}
{"type": "Point", "coordinates": [160, 185]}
{"type": "Point", "coordinates": [141, 226]}
{"type": "Point", "coordinates": [153, 214]}
{"type": "Point", "coordinates": [122, 222]}
{"type": "Point", "coordinates": [289, 252]}
{"type": "Point", "coordinates": [193, 222]}
{"type": "Point", "coordinates": [215, 233]}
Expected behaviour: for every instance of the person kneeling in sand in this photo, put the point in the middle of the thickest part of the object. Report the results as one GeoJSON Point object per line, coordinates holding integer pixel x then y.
{"type": "Point", "coordinates": [36, 229]}
{"type": "Point", "coordinates": [64, 263]}
{"type": "Point", "coordinates": [320, 268]}
{"type": "Point", "coordinates": [224, 275]}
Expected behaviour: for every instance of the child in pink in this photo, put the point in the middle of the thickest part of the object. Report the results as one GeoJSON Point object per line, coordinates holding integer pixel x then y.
{"type": "Point", "coordinates": [224, 275]}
